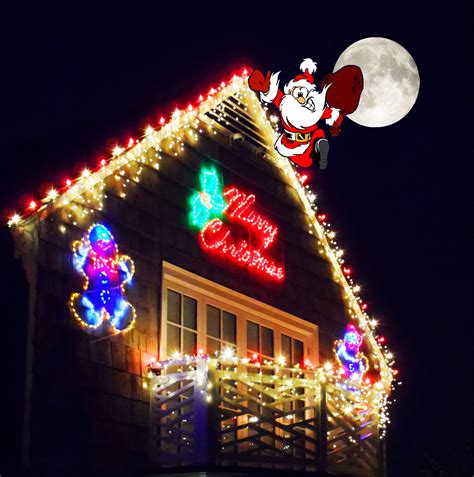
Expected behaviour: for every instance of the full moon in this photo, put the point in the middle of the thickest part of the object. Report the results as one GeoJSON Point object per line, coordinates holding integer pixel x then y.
{"type": "Point", "coordinates": [391, 81]}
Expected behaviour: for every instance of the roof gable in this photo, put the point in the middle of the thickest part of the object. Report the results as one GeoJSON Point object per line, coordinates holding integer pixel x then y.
{"type": "Point", "coordinates": [233, 109]}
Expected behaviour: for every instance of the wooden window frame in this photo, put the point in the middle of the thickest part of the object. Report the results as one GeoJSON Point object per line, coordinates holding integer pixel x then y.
{"type": "Point", "coordinates": [207, 292]}
{"type": "Point", "coordinates": [222, 342]}
{"type": "Point", "coordinates": [181, 326]}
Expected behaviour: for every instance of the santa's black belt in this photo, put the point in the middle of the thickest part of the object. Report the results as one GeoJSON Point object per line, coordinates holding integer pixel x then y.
{"type": "Point", "coordinates": [298, 137]}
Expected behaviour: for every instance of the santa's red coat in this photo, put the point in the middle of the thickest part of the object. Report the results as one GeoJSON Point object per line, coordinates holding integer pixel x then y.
{"type": "Point", "coordinates": [301, 157]}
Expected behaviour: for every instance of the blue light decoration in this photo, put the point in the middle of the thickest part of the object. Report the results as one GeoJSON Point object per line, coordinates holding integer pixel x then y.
{"type": "Point", "coordinates": [96, 257]}
{"type": "Point", "coordinates": [209, 202]}
{"type": "Point", "coordinates": [351, 359]}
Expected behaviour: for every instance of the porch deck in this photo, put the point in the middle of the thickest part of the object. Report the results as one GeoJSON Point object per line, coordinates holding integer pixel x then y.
{"type": "Point", "coordinates": [237, 413]}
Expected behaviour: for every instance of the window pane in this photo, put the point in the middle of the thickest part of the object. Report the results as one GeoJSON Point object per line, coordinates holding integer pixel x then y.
{"type": "Point", "coordinates": [267, 341]}
{"type": "Point", "coordinates": [286, 349]}
{"type": "Point", "coordinates": [189, 342]}
{"type": "Point", "coordinates": [298, 352]}
{"type": "Point", "coordinates": [229, 327]}
{"type": "Point", "coordinates": [213, 321]}
{"type": "Point", "coordinates": [174, 307]}
{"type": "Point", "coordinates": [252, 337]}
{"type": "Point", "coordinates": [189, 312]}
{"type": "Point", "coordinates": [173, 342]}
{"type": "Point", "coordinates": [212, 346]}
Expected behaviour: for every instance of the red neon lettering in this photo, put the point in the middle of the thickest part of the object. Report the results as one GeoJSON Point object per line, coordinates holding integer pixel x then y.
{"type": "Point", "coordinates": [215, 236]}
{"type": "Point", "coordinates": [239, 208]}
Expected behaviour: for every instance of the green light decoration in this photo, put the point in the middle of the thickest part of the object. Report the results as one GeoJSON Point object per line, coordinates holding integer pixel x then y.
{"type": "Point", "coordinates": [209, 203]}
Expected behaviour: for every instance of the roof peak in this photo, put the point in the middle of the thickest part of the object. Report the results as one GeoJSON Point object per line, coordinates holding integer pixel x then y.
{"type": "Point", "coordinates": [202, 102]}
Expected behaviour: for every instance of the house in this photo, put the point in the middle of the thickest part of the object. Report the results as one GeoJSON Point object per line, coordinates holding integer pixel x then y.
{"type": "Point", "coordinates": [185, 298]}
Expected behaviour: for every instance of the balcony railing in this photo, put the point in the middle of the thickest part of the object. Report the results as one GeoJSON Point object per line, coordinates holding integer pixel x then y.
{"type": "Point", "coordinates": [241, 414]}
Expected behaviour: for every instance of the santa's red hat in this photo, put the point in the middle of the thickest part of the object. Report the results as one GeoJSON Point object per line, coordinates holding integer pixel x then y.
{"type": "Point", "coordinates": [305, 78]}
{"type": "Point", "coordinates": [308, 67]}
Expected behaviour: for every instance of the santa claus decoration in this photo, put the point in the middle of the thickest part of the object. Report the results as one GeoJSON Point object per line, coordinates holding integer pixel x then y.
{"type": "Point", "coordinates": [302, 106]}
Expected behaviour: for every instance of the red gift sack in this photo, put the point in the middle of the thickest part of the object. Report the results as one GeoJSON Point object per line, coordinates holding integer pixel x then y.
{"type": "Point", "coordinates": [346, 88]}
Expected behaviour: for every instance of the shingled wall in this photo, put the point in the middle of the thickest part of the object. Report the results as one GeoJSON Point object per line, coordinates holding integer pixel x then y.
{"type": "Point", "coordinates": [89, 411]}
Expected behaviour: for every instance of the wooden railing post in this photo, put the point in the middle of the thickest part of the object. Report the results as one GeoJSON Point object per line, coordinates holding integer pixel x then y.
{"type": "Point", "coordinates": [200, 413]}
{"type": "Point", "coordinates": [205, 418]}
{"type": "Point", "coordinates": [212, 412]}
{"type": "Point", "coordinates": [322, 431]}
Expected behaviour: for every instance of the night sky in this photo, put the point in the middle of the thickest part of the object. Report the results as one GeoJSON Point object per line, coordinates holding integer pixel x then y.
{"type": "Point", "coordinates": [76, 81]}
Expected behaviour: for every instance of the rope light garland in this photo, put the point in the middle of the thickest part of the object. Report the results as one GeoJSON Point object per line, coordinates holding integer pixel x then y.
{"type": "Point", "coordinates": [210, 204]}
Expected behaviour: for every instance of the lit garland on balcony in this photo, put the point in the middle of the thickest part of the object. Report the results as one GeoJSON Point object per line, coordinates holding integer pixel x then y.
{"type": "Point", "coordinates": [79, 198]}
{"type": "Point", "coordinates": [353, 396]}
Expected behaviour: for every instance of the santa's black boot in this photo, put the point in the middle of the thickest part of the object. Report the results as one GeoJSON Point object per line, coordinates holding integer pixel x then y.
{"type": "Point", "coordinates": [323, 149]}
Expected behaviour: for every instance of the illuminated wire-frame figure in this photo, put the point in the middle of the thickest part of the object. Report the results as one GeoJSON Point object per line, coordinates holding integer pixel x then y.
{"type": "Point", "coordinates": [349, 356]}
{"type": "Point", "coordinates": [209, 202]}
{"type": "Point", "coordinates": [105, 273]}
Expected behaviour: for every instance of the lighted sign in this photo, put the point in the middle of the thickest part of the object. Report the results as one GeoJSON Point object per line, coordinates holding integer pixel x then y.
{"type": "Point", "coordinates": [348, 353]}
{"type": "Point", "coordinates": [105, 273]}
{"type": "Point", "coordinates": [215, 236]}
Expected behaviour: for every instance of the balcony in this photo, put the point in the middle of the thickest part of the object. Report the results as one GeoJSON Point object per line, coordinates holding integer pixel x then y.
{"type": "Point", "coordinates": [234, 413]}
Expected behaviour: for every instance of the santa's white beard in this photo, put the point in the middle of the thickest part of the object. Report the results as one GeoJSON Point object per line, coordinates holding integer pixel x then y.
{"type": "Point", "coordinates": [298, 115]}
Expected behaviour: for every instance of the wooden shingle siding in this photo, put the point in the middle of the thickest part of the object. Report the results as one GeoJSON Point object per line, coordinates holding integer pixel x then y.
{"type": "Point", "coordinates": [88, 388]}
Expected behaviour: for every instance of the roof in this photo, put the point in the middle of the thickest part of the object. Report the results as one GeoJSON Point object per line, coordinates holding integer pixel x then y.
{"type": "Point", "coordinates": [185, 125]}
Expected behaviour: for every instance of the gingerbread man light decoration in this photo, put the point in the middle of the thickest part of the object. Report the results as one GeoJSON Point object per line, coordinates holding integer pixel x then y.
{"type": "Point", "coordinates": [105, 273]}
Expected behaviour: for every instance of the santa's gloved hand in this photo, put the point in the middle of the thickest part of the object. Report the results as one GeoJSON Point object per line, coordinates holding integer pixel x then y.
{"type": "Point", "coordinates": [258, 82]}
{"type": "Point", "coordinates": [335, 130]}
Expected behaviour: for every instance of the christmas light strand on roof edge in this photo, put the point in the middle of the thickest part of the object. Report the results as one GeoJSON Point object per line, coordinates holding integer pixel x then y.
{"type": "Point", "coordinates": [328, 247]}
{"type": "Point", "coordinates": [121, 156]}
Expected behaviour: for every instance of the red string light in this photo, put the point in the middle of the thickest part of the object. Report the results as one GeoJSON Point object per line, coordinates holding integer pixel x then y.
{"type": "Point", "coordinates": [303, 178]}
{"type": "Point", "coordinates": [241, 72]}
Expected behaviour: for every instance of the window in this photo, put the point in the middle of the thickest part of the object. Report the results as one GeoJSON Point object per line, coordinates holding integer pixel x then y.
{"type": "Point", "coordinates": [292, 349]}
{"type": "Point", "coordinates": [260, 340]}
{"type": "Point", "coordinates": [221, 329]}
{"type": "Point", "coordinates": [181, 323]}
{"type": "Point", "coordinates": [202, 316]}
